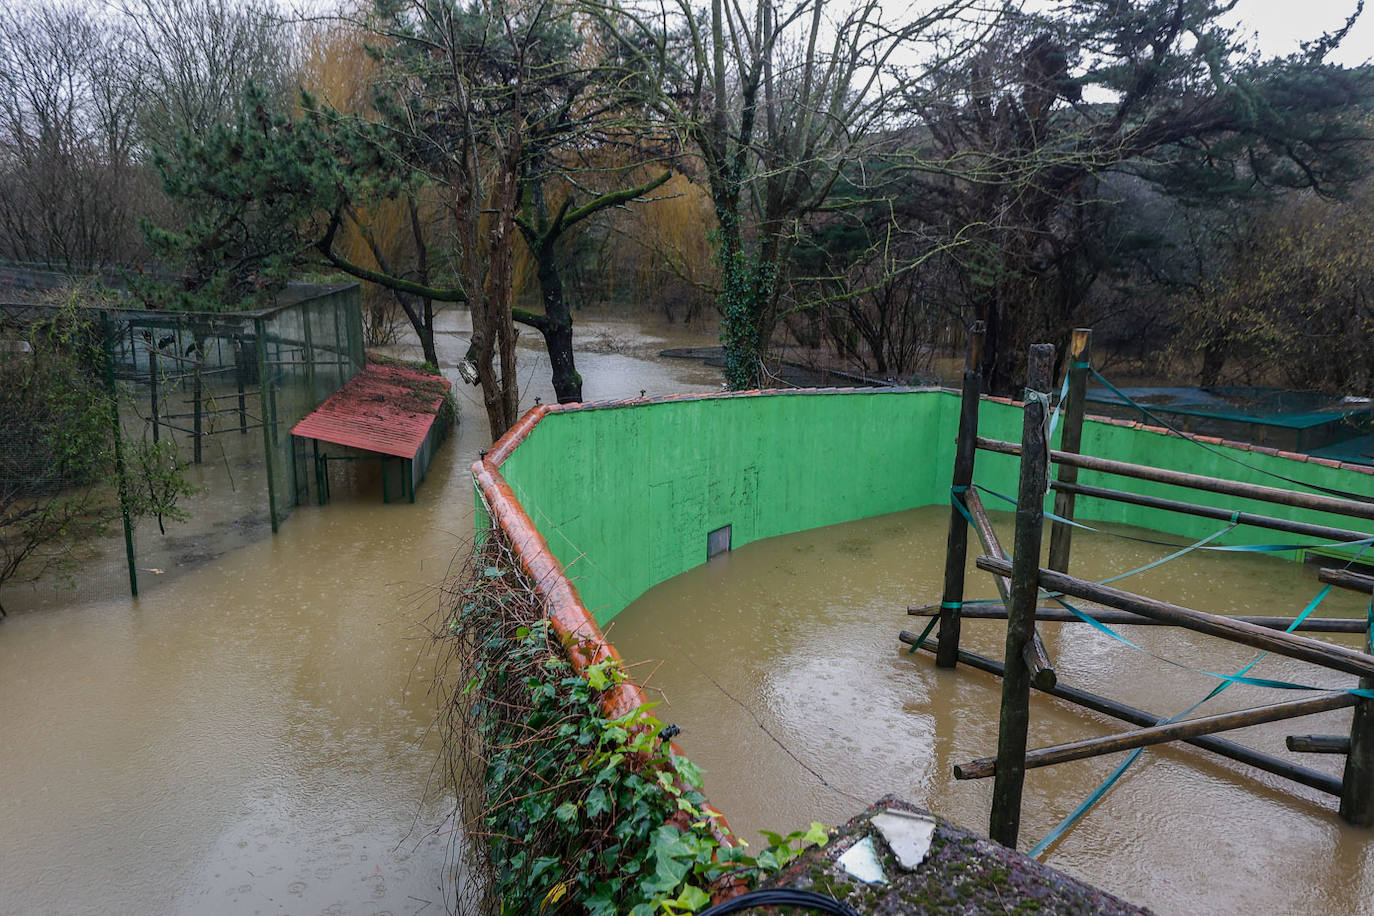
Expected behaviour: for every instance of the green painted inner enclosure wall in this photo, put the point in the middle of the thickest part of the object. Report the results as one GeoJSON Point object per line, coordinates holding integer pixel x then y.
{"type": "Point", "coordinates": [625, 496]}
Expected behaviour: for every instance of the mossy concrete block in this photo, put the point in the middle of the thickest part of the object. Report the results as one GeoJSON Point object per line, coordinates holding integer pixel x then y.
{"type": "Point", "coordinates": [963, 873]}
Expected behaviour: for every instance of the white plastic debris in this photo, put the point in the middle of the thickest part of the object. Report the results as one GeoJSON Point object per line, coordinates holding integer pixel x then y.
{"type": "Point", "coordinates": [861, 861]}
{"type": "Point", "coordinates": [907, 834]}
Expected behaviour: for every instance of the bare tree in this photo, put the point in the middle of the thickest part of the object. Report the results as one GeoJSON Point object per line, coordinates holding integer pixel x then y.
{"type": "Point", "coordinates": [70, 182]}
{"type": "Point", "coordinates": [194, 59]}
{"type": "Point", "coordinates": [778, 101]}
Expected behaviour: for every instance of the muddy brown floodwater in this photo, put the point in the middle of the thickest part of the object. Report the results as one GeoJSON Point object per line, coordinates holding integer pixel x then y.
{"type": "Point", "coordinates": [252, 734]}
{"type": "Point", "coordinates": [795, 638]}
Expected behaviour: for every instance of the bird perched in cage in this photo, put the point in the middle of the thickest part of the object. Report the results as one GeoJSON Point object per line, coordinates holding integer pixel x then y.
{"type": "Point", "coordinates": [166, 341]}
{"type": "Point", "coordinates": [193, 349]}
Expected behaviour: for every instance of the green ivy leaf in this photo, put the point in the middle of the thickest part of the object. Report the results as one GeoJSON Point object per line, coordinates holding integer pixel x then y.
{"type": "Point", "coordinates": [598, 802]}
{"type": "Point", "coordinates": [692, 898]}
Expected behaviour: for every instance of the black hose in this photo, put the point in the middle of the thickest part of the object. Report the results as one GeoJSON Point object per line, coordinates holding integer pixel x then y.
{"type": "Point", "coordinates": [780, 896]}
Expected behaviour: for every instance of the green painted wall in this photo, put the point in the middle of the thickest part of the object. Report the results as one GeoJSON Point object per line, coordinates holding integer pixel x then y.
{"type": "Point", "coordinates": [625, 496]}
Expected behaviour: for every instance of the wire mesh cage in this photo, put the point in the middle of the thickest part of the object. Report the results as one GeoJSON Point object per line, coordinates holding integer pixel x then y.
{"type": "Point", "coordinates": [216, 394]}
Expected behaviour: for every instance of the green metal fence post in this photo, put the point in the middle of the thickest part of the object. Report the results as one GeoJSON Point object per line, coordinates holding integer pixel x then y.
{"type": "Point", "coordinates": [105, 334]}
{"type": "Point", "coordinates": [268, 420]}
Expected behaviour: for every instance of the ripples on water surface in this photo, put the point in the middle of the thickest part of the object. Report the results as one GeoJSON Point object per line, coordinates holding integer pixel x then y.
{"type": "Point", "coordinates": [799, 634]}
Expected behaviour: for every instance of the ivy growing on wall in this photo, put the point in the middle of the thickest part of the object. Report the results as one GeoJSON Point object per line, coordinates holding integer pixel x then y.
{"type": "Point", "coordinates": [565, 808]}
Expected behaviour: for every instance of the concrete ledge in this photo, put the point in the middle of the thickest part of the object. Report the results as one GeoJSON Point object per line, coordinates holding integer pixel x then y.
{"type": "Point", "coordinates": [963, 873]}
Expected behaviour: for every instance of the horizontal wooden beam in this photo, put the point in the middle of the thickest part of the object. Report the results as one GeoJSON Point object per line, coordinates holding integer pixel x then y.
{"type": "Point", "coordinates": [1314, 501]}
{"type": "Point", "coordinates": [1326, 532]}
{"type": "Point", "coordinates": [1291, 645]}
{"type": "Point", "coordinates": [1239, 753]}
{"type": "Point", "coordinates": [1344, 578]}
{"type": "Point", "coordinates": [1318, 744]}
{"type": "Point", "coordinates": [1160, 734]}
{"type": "Point", "coordinates": [1107, 615]}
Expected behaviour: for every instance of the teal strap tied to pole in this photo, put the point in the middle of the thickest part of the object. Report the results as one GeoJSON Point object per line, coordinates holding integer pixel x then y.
{"type": "Point", "coordinates": [924, 633]}
{"type": "Point", "coordinates": [1239, 677]}
{"type": "Point", "coordinates": [951, 605]}
{"type": "Point", "coordinates": [1058, 406]}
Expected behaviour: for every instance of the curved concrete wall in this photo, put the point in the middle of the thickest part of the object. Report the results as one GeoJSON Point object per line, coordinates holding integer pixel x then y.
{"type": "Point", "coordinates": [624, 493]}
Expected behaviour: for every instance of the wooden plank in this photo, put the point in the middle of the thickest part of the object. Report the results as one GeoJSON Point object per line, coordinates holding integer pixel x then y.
{"type": "Point", "coordinates": [1061, 534]}
{"type": "Point", "coordinates": [1337, 658]}
{"type": "Point", "coordinates": [1160, 734]}
{"type": "Point", "coordinates": [1344, 578]}
{"type": "Point", "coordinates": [1229, 749]}
{"type": "Point", "coordinates": [956, 542]}
{"type": "Point", "coordinates": [1014, 720]}
{"type": "Point", "coordinates": [1314, 501]}
{"type": "Point", "coordinates": [1318, 744]}
{"type": "Point", "coordinates": [1326, 532]}
{"type": "Point", "coordinates": [1111, 616]}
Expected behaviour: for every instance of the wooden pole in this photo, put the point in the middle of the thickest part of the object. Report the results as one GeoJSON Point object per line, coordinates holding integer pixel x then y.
{"type": "Point", "coordinates": [1220, 746]}
{"type": "Point", "coordinates": [956, 542]}
{"type": "Point", "coordinates": [1160, 734]}
{"type": "Point", "coordinates": [1318, 744]}
{"type": "Point", "coordinates": [1314, 501]}
{"type": "Point", "coordinates": [1245, 518]}
{"type": "Point", "coordinates": [1347, 579]}
{"type": "Point", "coordinates": [1291, 645]}
{"type": "Point", "coordinates": [1014, 720]}
{"type": "Point", "coordinates": [1125, 618]}
{"type": "Point", "coordinates": [1061, 535]}
{"type": "Point", "coordinates": [1357, 782]}
{"type": "Point", "coordinates": [1034, 654]}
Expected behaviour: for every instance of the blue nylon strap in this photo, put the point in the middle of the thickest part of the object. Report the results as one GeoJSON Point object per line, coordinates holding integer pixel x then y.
{"type": "Point", "coordinates": [1239, 677]}
{"type": "Point", "coordinates": [1233, 548]}
{"type": "Point", "coordinates": [1059, 405]}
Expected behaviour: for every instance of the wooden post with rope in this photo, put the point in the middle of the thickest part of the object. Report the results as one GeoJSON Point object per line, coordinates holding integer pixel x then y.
{"type": "Point", "coordinates": [956, 544]}
{"type": "Point", "coordinates": [1061, 535]}
{"type": "Point", "coordinates": [1014, 721]}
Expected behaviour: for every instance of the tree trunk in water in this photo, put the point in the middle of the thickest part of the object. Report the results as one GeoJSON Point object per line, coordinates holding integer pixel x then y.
{"type": "Point", "coordinates": [557, 329]}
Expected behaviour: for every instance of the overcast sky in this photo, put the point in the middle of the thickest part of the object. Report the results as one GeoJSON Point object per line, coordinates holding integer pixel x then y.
{"type": "Point", "coordinates": [1279, 26]}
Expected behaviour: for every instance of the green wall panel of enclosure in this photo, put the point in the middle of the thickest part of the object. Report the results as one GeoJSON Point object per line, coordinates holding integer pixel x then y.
{"type": "Point", "coordinates": [625, 496]}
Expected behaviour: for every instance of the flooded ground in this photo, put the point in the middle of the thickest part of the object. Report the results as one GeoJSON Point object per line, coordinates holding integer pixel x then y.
{"type": "Point", "coordinates": [795, 639]}
{"type": "Point", "coordinates": [253, 734]}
